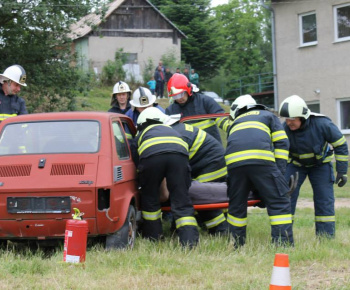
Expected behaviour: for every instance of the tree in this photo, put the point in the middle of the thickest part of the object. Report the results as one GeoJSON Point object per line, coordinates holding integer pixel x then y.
{"type": "Point", "coordinates": [245, 29]}
{"type": "Point", "coordinates": [201, 49]}
{"type": "Point", "coordinates": [33, 34]}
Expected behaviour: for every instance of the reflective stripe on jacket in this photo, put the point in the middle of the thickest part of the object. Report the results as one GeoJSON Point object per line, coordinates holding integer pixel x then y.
{"type": "Point", "coordinates": [199, 104]}
{"type": "Point", "coordinates": [316, 142]}
{"type": "Point", "coordinates": [158, 139]}
{"type": "Point", "coordinates": [255, 137]}
{"type": "Point", "coordinates": [206, 154]}
{"type": "Point", "coordinates": [11, 106]}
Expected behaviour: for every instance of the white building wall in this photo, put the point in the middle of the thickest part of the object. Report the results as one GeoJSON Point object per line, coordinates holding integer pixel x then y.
{"type": "Point", "coordinates": [304, 70]}
{"type": "Point", "coordinates": [103, 49]}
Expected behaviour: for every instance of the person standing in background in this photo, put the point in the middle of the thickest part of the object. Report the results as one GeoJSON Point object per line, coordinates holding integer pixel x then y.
{"type": "Point", "coordinates": [194, 78]}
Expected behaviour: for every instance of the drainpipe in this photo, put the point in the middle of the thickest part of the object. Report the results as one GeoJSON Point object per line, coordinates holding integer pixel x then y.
{"type": "Point", "coordinates": [273, 54]}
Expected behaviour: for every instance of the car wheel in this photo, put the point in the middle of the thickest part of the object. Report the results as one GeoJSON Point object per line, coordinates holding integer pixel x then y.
{"type": "Point", "coordinates": [125, 237]}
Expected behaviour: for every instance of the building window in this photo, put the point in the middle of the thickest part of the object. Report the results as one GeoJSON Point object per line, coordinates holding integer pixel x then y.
{"type": "Point", "coordinates": [344, 115]}
{"type": "Point", "coordinates": [314, 107]}
{"type": "Point", "coordinates": [308, 29]}
{"type": "Point", "coordinates": [342, 22]}
{"type": "Point", "coordinates": [130, 58]}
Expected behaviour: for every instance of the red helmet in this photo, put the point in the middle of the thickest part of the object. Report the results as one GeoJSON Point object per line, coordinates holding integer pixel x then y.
{"type": "Point", "coordinates": [177, 84]}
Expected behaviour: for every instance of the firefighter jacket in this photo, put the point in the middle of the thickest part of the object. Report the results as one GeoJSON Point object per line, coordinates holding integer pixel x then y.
{"type": "Point", "coordinates": [256, 136]}
{"type": "Point", "coordinates": [133, 114]}
{"type": "Point", "coordinates": [316, 142]}
{"type": "Point", "coordinates": [198, 104]}
{"type": "Point", "coordinates": [116, 108]}
{"type": "Point", "coordinates": [159, 139]}
{"type": "Point", "coordinates": [11, 106]}
{"type": "Point", "coordinates": [207, 156]}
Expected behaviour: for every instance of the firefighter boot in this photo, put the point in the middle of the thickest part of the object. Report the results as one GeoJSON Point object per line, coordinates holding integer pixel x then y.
{"type": "Point", "coordinates": [188, 236]}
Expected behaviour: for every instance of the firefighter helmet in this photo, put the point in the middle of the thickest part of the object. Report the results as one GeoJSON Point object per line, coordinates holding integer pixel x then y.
{"type": "Point", "coordinates": [239, 103]}
{"type": "Point", "coordinates": [14, 73]}
{"type": "Point", "coordinates": [142, 97]}
{"type": "Point", "coordinates": [294, 107]}
{"type": "Point", "coordinates": [178, 84]}
{"type": "Point", "coordinates": [151, 113]}
{"type": "Point", "coordinates": [120, 87]}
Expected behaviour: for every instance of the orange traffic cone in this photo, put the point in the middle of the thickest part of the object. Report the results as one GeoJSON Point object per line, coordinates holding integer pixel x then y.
{"type": "Point", "coordinates": [280, 279]}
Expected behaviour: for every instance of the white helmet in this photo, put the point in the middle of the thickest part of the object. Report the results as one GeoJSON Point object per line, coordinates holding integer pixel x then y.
{"type": "Point", "coordinates": [239, 103]}
{"type": "Point", "coordinates": [294, 107]}
{"type": "Point", "coordinates": [142, 97]}
{"type": "Point", "coordinates": [14, 73]}
{"type": "Point", "coordinates": [119, 87]}
{"type": "Point", "coordinates": [151, 113]}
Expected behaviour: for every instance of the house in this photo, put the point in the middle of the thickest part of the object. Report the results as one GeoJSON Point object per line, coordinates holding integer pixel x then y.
{"type": "Point", "coordinates": [312, 43]}
{"type": "Point", "coordinates": [136, 26]}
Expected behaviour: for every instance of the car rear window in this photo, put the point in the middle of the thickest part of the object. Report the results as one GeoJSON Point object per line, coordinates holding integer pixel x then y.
{"type": "Point", "coordinates": [50, 137]}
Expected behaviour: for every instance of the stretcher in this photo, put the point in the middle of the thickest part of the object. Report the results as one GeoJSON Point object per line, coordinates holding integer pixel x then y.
{"type": "Point", "coordinates": [212, 195]}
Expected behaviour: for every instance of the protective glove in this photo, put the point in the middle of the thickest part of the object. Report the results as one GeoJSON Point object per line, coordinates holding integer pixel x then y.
{"type": "Point", "coordinates": [341, 179]}
{"type": "Point", "coordinates": [293, 182]}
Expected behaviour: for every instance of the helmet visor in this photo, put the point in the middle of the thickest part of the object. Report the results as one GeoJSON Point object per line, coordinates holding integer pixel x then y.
{"type": "Point", "coordinates": [179, 96]}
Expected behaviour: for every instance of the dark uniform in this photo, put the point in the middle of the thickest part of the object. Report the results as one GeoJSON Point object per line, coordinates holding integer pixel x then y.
{"type": "Point", "coordinates": [11, 106]}
{"type": "Point", "coordinates": [163, 154]}
{"type": "Point", "coordinates": [207, 163]}
{"type": "Point", "coordinates": [198, 104]}
{"type": "Point", "coordinates": [310, 154]}
{"type": "Point", "coordinates": [117, 109]}
{"type": "Point", "coordinates": [256, 158]}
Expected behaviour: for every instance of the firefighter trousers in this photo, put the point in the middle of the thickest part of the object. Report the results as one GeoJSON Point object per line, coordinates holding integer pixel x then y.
{"type": "Point", "coordinates": [175, 168]}
{"type": "Point", "coordinates": [273, 189]}
{"type": "Point", "coordinates": [322, 180]}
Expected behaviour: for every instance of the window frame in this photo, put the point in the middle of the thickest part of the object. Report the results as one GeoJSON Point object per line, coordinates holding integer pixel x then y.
{"type": "Point", "coordinates": [339, 101]}
{"type": "Point", "coordinates": [124, 143]}
{"type": "Point", "coordinates": [335, 22]}
{"type": "Point", "coordinates": [315, 103]}
{"type": "Point", "coordinates": [301, 34]}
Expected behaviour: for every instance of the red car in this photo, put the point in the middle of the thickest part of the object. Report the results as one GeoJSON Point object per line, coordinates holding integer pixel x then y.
{"type": "Point", "coordinates": [51, 163]}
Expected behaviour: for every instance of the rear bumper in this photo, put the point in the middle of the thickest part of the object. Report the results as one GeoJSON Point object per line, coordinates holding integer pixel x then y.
{"type": "Point", "coordinates": [38, 229]}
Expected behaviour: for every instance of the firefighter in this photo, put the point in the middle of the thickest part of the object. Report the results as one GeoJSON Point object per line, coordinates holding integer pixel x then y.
{"type": "Point", "coordinates": [188, 102]}
{"type": "Point", "coordinates": [314, 139]}
{"type": "Point", "coordinates": [120, 100]}
{"type": "Point", "coordinates": [256, 158]}
{"type": "Point", "coordinates": [11, 81]}
{"type": "Point", "coordinates": [163, 154]}
{"type": "Point", "coordinates": [142, 98]}
{"type": "Point", "coordinates": [207, 163]}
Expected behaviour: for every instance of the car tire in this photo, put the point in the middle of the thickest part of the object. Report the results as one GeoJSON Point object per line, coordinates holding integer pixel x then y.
{"type": "Point", "coordinates": [125, 237]}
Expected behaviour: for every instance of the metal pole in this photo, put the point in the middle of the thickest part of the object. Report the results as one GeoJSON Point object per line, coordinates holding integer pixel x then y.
{"type": "Point", "coordinates": [275, 88]}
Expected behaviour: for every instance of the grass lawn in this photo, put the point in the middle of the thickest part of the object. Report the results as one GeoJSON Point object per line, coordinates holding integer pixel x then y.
{"type": "Point", "coordinates": [214, 264]}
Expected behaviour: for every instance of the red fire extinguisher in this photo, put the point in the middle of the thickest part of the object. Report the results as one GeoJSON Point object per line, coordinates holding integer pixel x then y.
{"type": "Point", "coordinates": [75, 239]}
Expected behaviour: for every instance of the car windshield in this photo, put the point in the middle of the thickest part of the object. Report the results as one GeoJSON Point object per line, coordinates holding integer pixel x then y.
{"type": "Point", "coordinates": [50, 137]}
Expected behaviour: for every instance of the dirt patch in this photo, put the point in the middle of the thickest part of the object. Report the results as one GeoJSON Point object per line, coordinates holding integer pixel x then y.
{"type": "Point", "coordinates": [307, 203]}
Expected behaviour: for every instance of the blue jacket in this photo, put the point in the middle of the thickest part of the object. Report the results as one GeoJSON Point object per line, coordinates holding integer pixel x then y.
{"type": "Point", "coordinates": [117, 109]}
{"type": "Point", "coordinates": [11, 106]}
{"type": "Point", "coordinates": [133, 114]}
{"type": "Point", "coordinates": [310, 145]}
{"type": "Point", "coordinates": [198, 104]}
